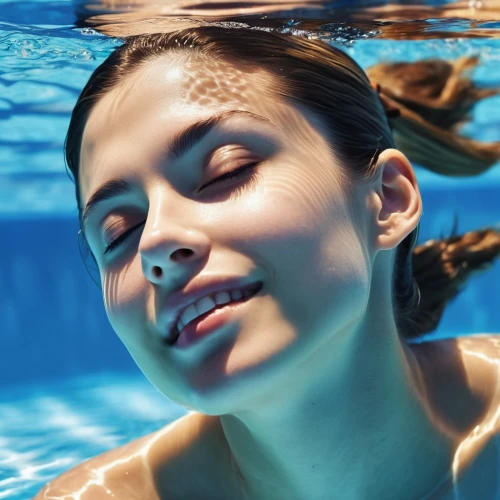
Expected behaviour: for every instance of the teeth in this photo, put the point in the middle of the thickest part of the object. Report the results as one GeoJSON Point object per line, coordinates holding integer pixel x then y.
{"type": "Point", "coordinates": [189, 314]}
{"type": "Point", "coordinates": [222, 298]}
{"type": "Point", "coordinates": [194, 310]}
{"type": "Point", "coordinates": [206, 303]}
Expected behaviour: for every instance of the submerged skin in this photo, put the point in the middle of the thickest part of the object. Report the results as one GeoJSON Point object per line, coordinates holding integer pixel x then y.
{"type": "Point", "coordinates": [308, 392]}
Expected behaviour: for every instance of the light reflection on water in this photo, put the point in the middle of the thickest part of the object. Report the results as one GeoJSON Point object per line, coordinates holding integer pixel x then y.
{"type": "Point", "coordinates": [412, 20]}
{"type": "Point", "coordinates": [47, 53]}
{"type": "Point", "coordinates": [47, 429]}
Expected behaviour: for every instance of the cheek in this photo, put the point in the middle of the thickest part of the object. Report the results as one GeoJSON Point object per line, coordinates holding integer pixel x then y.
{"type": "Point", "coordinates": [306, 240]}
{"type": "Point", "coordinates": [124, 299]}
{"type": "Point", "coordinates": [342, 275]}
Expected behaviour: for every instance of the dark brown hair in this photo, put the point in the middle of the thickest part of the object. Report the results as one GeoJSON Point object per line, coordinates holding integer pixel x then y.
{"type": "Point", "coordinates": [326, 81]}
{"type": "Point", "coordinates": [435, 99]}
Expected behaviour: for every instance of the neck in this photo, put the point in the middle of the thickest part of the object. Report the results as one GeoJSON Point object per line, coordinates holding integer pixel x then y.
{"type": "Point", "coordinates": [353, 424]}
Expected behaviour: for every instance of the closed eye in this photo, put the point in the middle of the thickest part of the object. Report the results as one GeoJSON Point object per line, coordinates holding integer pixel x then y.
{"type": "Point", "coordinates": [117, 241]}
{"type": "Point", "coordinates": [224, 177]}
{"type": "Point", "coordinates": [229, 175]}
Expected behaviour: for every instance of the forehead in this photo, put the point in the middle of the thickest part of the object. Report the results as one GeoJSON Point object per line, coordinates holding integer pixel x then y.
{"type": "Point", "coordinates": [215, 82]}
{"type": "Point", "coordinates": [157, 100]}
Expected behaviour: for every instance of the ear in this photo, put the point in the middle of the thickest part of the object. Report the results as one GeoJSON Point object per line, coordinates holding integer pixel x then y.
{"type": "Point", "coordinates": [399, 205]}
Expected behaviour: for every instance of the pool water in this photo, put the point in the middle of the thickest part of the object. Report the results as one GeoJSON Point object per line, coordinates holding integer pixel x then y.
{"type": "Point", "coordinates": [47, 428]}
{"type": "Point", "coordinates": [68, 388]}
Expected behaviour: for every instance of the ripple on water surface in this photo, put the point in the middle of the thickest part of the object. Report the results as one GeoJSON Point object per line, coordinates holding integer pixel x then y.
{"type": "Point", "coordinates": [49, 428]}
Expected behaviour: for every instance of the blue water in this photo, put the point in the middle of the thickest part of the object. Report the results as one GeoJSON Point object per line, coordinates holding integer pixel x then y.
{"type": "Point", "coordinates": [48, 428]}
{"type": "Point", "coordinates": [68, 388]}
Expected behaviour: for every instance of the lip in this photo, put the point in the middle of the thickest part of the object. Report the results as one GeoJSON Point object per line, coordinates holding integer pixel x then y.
{"type": "Point", "coordinates": [209, 323]}
{"type": "Point", "coordinates": [203, 286]}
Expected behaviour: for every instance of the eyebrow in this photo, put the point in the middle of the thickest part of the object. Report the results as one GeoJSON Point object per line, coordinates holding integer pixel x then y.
{"type": "Point", "coordinates": [180, 145]}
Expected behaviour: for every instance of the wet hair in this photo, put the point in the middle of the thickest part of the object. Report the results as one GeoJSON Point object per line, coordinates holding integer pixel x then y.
{"type": "Point", "coordinates": [325, 80]}
{"type": "Point", "coordinates": [435, 100]}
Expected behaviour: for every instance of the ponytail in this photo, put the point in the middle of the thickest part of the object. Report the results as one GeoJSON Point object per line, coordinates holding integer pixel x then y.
{"type": "Point", "coordinates": [442, 267]}
{"type": "Point", "coordinates": [434, 100]}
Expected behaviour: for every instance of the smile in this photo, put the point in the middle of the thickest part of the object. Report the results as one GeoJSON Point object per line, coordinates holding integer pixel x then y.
{"type": "Point", "coordinates": [222, 304]}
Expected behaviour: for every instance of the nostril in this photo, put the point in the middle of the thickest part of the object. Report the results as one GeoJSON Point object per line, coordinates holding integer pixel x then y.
{"type": "Point", "coordinates": [157, 272]}
{"type": "Point", "coordinates": [183, 253]}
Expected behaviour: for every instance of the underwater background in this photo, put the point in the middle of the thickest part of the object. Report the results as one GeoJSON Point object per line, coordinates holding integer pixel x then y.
{"type": "Point", "coordinates": [68, 387]}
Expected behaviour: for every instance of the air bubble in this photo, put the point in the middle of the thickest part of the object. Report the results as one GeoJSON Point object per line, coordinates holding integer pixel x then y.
{"type": "Point", "coordinates": [84, 55]}
{"type": "Point", "coordinates": [89, 31]}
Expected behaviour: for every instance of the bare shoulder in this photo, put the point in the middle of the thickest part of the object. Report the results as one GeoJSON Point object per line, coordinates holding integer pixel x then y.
{"type": "Point", "coordinates": [477, 356]}
{"type": "Point", "coordinates": [488, 343]}
{"type": "Point", "coordinates": [463, 389]}
{"type": "Point", "coordinates": [124, 473]}
{"type": "Point", "coordinates": [464, 384]}
{"type": "Point", "coordinates": [480, 357]}
{"type": "Point", "coordinates": [480, 354]}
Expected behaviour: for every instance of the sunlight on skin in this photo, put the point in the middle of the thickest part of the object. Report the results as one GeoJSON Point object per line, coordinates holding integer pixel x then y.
{"type": "Point", "coordinates": [467, 451]}
{"type": "Point", "coordinates": [481, 435]}
{"type": "Point", "coordinates": [470, 455]}
{"type": "Point", "coordinates": [309, 217]}
{"type": "Point", "coordinates": [490, 425]}
{"type": "Point", "coordinates": [100, 473]}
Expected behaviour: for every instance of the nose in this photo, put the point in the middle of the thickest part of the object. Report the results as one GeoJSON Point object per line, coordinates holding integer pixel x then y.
{"type": "Point", "coordinates": [169, 251]}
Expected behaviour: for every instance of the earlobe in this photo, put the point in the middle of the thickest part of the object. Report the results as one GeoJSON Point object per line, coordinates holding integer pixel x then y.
{"type": "Point", "coordinates": [400, 202]}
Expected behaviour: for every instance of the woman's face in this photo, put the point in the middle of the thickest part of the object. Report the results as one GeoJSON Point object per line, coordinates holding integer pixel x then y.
{"type": "Point", "coordinates": [284, 221]}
